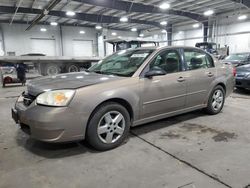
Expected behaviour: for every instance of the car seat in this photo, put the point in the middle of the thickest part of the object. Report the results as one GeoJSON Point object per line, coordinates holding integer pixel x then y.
{"type": "Point", "coordinates": [195, 63]}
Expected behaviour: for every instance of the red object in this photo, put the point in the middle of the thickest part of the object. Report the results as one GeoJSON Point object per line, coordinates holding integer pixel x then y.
{"type": "Point", "coordinates": [7, 80]}
{"type": "Point", "coordinates": [234, 71]}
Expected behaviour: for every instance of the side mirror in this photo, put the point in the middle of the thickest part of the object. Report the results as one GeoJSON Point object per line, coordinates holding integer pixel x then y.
{"type": "Point", "coordinates": [153, 72]}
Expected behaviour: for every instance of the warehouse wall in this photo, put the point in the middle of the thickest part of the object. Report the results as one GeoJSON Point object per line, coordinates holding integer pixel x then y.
{"type": "Point", "coordinates": [19, 41]}
{"type": "Point", "coordinates": [236, 36]}
{"type": "Point", "coordinates": [228, 32]}
{"type": "Point", "coordinates": [191, 37]}
{"type": "Point", "coordinates": [70, 35]}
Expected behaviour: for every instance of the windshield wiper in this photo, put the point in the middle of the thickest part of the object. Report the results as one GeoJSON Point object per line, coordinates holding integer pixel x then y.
{"type": "Point", "coordinates": [98, 72]}
{"type": "Point", "coordinates": [114, 73]}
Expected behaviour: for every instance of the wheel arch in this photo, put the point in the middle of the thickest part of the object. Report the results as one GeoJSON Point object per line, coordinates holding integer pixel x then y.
{"type": "Point", "coordinates": [222, 85]}
{"type": "Point", "coordinates": [120, 101]}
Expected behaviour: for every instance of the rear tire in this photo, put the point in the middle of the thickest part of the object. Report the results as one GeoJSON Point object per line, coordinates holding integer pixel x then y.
{"type": "Point", "coordinates": [72, 68]}
{"type": "Point", "coordinates": [108, 127]}
{"type": "Point", "coordinates": [216, 101]}
{"type": "Point", "coordinates": [50, 69]}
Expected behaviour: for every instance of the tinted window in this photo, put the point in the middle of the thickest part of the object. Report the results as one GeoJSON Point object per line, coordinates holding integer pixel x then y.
{"type": "Point", "coordinates": [197, 60]}
{"type": "Point", "coordinates": [168, 60]}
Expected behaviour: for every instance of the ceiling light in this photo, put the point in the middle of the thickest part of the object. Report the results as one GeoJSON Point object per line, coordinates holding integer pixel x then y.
{"type": "Point", "coordinates": [98, 27]}
{"type": "Point", "coordinates": [124, 19]}
{"type": "Point", "coordinates": [82, 32]}
{"type": "Point", "coordinates": [133, 29]}
{"type": "Point", "coordinates": [208, 13]}
{"type": "Point", "coordinates": [70, 13]}
{"type": "Point", "coordinates": [242, 17]}
{"type": "Point", "coordinates": [43, 29]}
{"type": "Point", "coordinates": [119, 37]}
{"type": "Point", "coordinates": [163, 23]}
{"type": "Point", "coordinates": [53, 23]}
{"type": "Point", "coordinates": [141, 35]}
{"type": "Point", "coordinates": [164, 6]}
{"type": "Point", "coordinates": [196, 25]}
{"type": "Point", "coordinates": [163, 31]}
{"type": "Point", "coordinates": [114, 33]}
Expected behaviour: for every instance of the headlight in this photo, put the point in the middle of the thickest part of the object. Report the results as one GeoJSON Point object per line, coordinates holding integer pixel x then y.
{"type": "Point", "coordinates": [55, 97]}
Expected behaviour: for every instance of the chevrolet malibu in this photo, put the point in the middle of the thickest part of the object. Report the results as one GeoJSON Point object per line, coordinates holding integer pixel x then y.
{"type": "Point", "coordinates": [126, 89]}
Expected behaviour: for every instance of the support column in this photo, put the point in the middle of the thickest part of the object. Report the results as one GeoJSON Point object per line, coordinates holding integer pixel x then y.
{"type": "Point", "coordinates": [170, 34]}
{"type": "Point", "coordinates": [205, 31]}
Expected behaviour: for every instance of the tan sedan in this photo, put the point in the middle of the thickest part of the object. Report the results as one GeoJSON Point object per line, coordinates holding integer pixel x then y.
{"type": "Point", "coordinates": [128, 88]}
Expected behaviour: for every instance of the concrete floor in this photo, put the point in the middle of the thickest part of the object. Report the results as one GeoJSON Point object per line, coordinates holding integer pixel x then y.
{"type": "Point", "coordinates": [194, 150]}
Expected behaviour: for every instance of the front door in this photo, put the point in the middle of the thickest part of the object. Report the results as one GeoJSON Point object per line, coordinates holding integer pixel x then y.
{"type": "Point", "coordinates": [167, 93]}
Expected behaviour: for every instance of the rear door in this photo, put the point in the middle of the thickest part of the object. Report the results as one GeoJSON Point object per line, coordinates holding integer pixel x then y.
{"type": "Point", "coordinates": [200, 73]}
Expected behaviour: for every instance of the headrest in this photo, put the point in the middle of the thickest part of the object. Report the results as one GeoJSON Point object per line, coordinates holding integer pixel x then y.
{"type": "Point", "coordinates": [195, 61]}
{"type": "Point", "coordinates": [171, 60]}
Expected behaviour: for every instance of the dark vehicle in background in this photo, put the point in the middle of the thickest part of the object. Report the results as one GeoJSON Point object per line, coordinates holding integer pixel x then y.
{"type": "Point", "coordinates": [243, 77]}
{"type": "Point", "coordinates": [214, 49]}
{"type": "Point", "coordinates": [238, 59]}
{"type": "Point", "coordinates": [126, 43]}
{"type": "Point", "coordinates": [209, 47]}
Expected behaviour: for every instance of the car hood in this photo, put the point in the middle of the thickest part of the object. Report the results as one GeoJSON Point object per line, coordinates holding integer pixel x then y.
{"type": "Point", "coordinates": [67, 81]}
{"type": "Point", "coordinates": [232, 61]}
{"type": "Point", "coordinates": [243, 68]}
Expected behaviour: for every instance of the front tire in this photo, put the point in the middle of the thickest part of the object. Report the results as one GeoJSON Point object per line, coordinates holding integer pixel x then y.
{"type": "Point", "coordinates": [216, 101]}
{"type": "Point", "coordinates": [108, 127]}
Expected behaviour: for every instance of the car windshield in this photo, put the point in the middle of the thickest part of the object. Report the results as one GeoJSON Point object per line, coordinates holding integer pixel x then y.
{"type": "Point", "coordinates": [123, 63]}
{"type": "Point", "coordinates": [237, 57]}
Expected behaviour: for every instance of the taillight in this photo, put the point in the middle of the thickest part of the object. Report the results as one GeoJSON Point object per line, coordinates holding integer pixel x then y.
{"type": "Point", "coordinates": [234, 71]}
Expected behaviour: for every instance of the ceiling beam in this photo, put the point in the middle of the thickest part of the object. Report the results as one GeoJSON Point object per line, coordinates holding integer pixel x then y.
{"type": "Point", "coordinates": [64, 24]}
{"type": "Point", "coordinates": [142, 8]}
{"type": "Point", "coordinates": [246, 3]}
{"type": "Point", "coordinates": [44, 12]}
{"type": "Point", "coordinates": [95, 18]}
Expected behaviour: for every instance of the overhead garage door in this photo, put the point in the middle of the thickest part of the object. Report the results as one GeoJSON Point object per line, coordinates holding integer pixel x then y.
{"type": "Point", "coordinates": [83, 47]}
{"type": "Point", "coordinates": [43, 45]}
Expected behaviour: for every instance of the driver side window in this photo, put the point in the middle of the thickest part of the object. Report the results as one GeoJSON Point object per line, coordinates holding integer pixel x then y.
{"type": "Point", "coordinates": [168, 61]}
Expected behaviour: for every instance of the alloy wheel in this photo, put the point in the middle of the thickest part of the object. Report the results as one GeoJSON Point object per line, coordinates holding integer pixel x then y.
{"type": "Point", "coordinates": [217, 100]}
{"type": "Point", "coordinates": [111, 127]}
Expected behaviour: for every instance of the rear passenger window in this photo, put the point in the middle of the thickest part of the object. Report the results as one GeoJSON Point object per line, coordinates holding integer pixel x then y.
{"type": "Point", "coordinates": [197, 60]}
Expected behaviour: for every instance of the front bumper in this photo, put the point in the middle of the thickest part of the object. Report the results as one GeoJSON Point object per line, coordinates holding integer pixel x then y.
{"type": "Point", "coordinates": [243, 83]}
{"type": "Point", "coordinates": [49, 124]}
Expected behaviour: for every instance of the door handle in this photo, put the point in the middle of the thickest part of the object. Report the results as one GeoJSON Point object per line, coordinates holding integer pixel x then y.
{"type": "Point", "coordinates": [181, 79]}
{"type": "Point", "coordinates": [210, 74]}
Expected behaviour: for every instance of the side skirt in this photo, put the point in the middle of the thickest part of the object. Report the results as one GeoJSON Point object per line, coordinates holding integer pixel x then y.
{"type": "Point", "coordinates": [166, 115]}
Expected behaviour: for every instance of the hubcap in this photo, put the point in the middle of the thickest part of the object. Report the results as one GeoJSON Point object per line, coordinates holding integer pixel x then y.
{"type": "Point", "coordinates": [111, 127]}
{"type": "Point", "coordinates": [217, 100]}
{"type": "Point", "coordinates": [52, 70]}
{"type": "Point", "coordinates": [73, 68]}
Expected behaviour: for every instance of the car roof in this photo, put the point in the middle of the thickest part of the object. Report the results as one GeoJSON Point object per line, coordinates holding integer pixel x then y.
{"type": "Point", "coordinates": [166, 47]}
{"type": "Point", "coordinates": [240, 53]}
